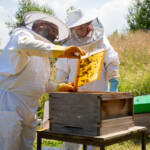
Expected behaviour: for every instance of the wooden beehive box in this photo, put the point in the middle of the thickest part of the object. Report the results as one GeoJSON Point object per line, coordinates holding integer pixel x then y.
{"type": "Point", "coordinates": [97, 113]}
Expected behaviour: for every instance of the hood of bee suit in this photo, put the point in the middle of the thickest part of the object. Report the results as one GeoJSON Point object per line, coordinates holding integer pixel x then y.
{"type": "Point", "coordinates": [78, 17]}
{"type": "Point", "coordinates": [31, 17]}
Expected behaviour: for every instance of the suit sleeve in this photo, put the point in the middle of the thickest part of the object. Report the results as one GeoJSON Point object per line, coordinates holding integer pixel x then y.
{"type": "Point", "coordinates": [111, 60]}
{"type": "Point", "coordinates": [29, 46]}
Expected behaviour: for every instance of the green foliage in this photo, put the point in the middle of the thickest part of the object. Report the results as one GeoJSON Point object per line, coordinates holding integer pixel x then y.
{"type": "Point", "coordinates": [49, 143]}
{"type": "Point", "coordinates": [68, 10]}
{"type": "Point", "coordinates": [43, 98]}
{"type": "Point", "coordinates": [139, 15]}
{"type": "Point", "coordinates": [25, 6]}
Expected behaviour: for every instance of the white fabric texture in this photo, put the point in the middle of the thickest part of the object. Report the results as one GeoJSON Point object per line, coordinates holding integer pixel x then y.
{"type": "Point", "coordinates": [77, 17]}
{"type": "Point", "coordinates": [50, 148]}
{"type": "Point", "coordinates": [74, 146]}
{"type": "Point", "coordinates": [96, 39]}
{"type": "Point", "coordinates": [93, 148]}
{"type": "Point", "coordinates": [71, 146]}
{"type": "Point", "coordinates": [23, 79]}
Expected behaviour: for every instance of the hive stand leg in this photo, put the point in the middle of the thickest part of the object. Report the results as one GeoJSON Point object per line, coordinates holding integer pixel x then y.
{"type": "Point", "coordinates": [38, 141]}
{"type": "Point", "coordinates": [102, 147]}
{"type": "Point", "coordinates": [84, 147]}
{"type": "Point", "coordinates": [143, 140]}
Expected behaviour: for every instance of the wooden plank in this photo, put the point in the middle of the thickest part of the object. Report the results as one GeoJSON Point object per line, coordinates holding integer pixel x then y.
{"type": "Point", "coordinates": [74, 115]}
{"type": "Point", "coordinates": [75, 124]}
{"type": "Point", "coordinates": [134, 129]}
{"type": "Point", "coordinates": [117, 95]}
{"type": "Point", "coordinates": [116, 128]}
{"type": "Point", "coordinates": [77, 111]}
{"type": "Point", "coordinates": [108, 139]}
{"type": "Point", "coordinates": [116, 108]}
{"type": "Point", "coordinates": [75, 130]}
{"type": "Point", "coordinates": [143, 120]}
{"type": "Point", "coordinates": [111, 122]}
{"type": "Point", "coordinates": [111, 95]}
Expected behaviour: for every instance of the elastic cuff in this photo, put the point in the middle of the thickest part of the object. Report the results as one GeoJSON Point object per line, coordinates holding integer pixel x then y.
{"type": "Point", "coordinates": [113, 80]}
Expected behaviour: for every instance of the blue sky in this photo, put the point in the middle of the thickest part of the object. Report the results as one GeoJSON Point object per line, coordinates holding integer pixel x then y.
{"type": "Point", "coordinates": [112, 13]}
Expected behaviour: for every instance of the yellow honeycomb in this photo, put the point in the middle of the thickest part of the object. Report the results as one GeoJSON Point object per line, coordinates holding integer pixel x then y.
{"type": "Point", "coordinates": [90, 67]}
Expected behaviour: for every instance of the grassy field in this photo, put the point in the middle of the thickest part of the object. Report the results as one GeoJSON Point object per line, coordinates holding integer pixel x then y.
{"type": "Point", "coordinates": [134, 55]}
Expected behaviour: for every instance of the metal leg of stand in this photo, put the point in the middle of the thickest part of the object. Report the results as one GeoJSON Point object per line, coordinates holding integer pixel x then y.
{"type": "Point", "coordinates": [143, 140]}
{"type": "Point", "coordinates": [38, 141]}
{"type": "Point", "coordinates": [84, 147]}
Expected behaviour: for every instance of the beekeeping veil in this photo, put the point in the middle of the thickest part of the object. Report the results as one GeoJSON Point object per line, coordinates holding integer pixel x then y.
{"type": "Point", "coordinates": [31, 17]}
{"type": "Point", "coordinates": [78, 17]}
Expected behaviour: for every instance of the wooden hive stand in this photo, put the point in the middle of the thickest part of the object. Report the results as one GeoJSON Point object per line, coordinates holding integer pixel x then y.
{"type": "Point", "coordinates": [99, 141]}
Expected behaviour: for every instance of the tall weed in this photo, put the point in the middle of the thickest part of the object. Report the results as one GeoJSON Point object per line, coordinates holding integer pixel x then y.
{"type": "Point", "coordinates": [134, 54]}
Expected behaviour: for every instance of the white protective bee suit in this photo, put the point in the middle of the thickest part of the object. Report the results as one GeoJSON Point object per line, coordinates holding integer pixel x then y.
{"type": "Point", "coordinates": [96, 39]}
{"type": "Point", "coordinates": [24, 77]}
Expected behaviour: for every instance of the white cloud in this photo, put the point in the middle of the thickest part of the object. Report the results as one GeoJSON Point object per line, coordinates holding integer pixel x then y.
{"type": "Point", "coordinates": [15, 1]}
{"type": "Point", "coordinates": [59, 6]}
{"type": "Point", "coordinates": [4, 35]}
{"type": "Point", "coordinates": [2, 9]}
{"type": "Point", "coordinates": [113, 15]}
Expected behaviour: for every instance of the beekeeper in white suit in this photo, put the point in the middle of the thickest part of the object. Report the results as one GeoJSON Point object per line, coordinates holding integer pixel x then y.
{"type": "Point", "coordinates": [24, 76]}
{"type": "Point", "coordinates": [87, 32]}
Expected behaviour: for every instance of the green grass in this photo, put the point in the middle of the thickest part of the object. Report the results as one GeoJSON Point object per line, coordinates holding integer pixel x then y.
{"type": "Point", "coordinates": [134, 54]}
{"type": "Point", "coordinates": [49, 143]}
{"type": "Point", "coordinates": [127, 145]}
